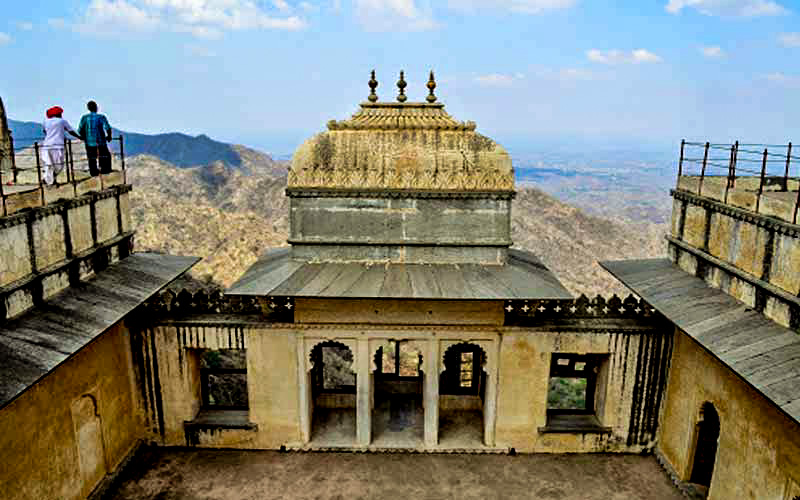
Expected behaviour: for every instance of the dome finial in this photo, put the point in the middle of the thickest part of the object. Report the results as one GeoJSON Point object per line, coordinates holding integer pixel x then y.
{"type": "Point", "coordinates": [373, 84]}
{"type": "Point", "coordinates": [401, 84]}
{"type": "Point", "coordinates": [431, 85]}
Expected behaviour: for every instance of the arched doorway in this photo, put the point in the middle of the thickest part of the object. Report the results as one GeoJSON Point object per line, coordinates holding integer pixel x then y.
{"type": "Point", "coordinates": [398, 416]}
{"type": "Point", "coordinates": [462, 392]}
{"type": "Point", "coordinates": [705, 452]}
{"type": "Point", "coordinates": [333, 395]}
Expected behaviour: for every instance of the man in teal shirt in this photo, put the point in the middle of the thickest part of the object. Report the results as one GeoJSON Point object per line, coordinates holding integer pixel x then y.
{"type": "Point", "coordinates": [96, 132]}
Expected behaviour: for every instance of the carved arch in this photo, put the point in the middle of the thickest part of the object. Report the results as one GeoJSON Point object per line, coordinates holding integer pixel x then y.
{"type": "Point", "coordinates": [486, 346]}
{"type": "Point", "coordinates": [311, 344]}
{"type": "Point", "coordinates": [375, 344]}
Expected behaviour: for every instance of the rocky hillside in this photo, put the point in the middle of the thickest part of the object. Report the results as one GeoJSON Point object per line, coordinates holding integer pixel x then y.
{"type": "Point", "coordinates": [229, 218]}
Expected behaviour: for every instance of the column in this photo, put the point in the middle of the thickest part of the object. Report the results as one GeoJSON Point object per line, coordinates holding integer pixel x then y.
{"type": "Point", "coordinates": [304, 392]}
{"type": "Point", "coordinates": [363, 393]}
{"type": "Point", "coordinates": [431, 393]}
{"type": "Point", "coordinates": [490, 404]}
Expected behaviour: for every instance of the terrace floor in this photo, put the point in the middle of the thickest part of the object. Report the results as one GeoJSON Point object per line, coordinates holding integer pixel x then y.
{"type": "Point", "coordinates": [184, 474]}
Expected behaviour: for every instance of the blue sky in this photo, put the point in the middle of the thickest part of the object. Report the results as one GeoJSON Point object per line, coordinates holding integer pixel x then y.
{"type": "Point", "coordinates": [529, 72]}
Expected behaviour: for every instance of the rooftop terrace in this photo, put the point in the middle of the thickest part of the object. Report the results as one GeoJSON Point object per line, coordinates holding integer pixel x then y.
{"type": "Point", "coordinates": [744, 176]}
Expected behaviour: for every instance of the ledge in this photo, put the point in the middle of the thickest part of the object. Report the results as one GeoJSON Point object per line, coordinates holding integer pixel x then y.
{"type": "Point", "coordinates": [221, 419]}
{"type": "Point", "coordinates": [573, 424]}
{"type": "Point", "coordinates": [320, 192]}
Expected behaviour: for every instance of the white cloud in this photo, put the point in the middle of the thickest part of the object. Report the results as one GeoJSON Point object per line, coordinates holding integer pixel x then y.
{"type": "Point", "coordinates": [790, 39]}
{"type": "Point", "coordinates": [307, 7]}
{"type": "Point", "coordinates": [56, 22]}
{"type": "Point", "coordinates": [636, 56]}
{"type": "Point", "coordinates": [4, 38]}
{"type": "Point", "coordinates": [207, 19]}
{"type": "Point", "coordinates": [733, 8]}
{"type": "Point", "coordinates": [521, 6]}
{"type": "Point", "coordinates": [394, 15]}
{"type": "Point", "coordinates": [498, 79]}
{"type": "Point", "coordinates": [714, 51]}
{"type": "Point", "coordinates": [784, 79]}
{"type": "Point", "coordinates": [25, 26]}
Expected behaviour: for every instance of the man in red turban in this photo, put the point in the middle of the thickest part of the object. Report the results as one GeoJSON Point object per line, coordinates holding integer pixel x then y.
{"type": "Point", "coordinates": [52, 150]}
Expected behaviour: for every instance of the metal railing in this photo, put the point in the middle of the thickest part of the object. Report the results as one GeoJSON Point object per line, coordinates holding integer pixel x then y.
{"type": "Point", "coordinates": [27, 167]}
{"type": "Point", "coordinates": [735, 161]}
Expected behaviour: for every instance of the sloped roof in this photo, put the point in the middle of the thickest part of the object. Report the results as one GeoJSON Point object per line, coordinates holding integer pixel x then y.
{"type": "Point", "coordinates": [46, 336]}
{"type": "Point", "coordinates": [523, 277]}
{"type": "Point", "coordinates": [763, 353]}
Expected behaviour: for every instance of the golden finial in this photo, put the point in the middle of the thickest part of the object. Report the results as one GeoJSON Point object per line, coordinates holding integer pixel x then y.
{"type": "Point", "coordinates": [431, 85]}
{"type": "Point", "coordinates": [401, 84]}
{"type": "Point", "coordinates": [373, 84]}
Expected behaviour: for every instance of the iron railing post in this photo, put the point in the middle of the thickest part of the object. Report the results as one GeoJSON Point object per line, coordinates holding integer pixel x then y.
{"type": "Point", "coordinates": [122, 159]}
{"type": "Point", "coordinates": [13, 157]}
{"type": "Point", "coordinates": [39, 169]}
{"type": "Point", "coordinates": [2, 194]}
{"type": "Point", "coordinates": [735, 158]}
{"type": "Point", "coordinates": [729, 180]}
{"type": "Point", "coordinates": [786, 173]}
{"type": "Point", "coordinates": [680, 162]}
{"type": "Point", "coordinates": [703, 170]}
{"type": "Point", "coordinates": [761, 181]}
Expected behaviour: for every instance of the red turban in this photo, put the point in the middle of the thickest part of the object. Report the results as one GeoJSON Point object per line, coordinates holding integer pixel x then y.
{"type": "Point", "coordinates": [54, 111]}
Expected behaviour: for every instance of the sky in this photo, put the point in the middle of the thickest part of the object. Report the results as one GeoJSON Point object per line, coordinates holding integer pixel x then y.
{"type": "Point", "coordinates": [270, 73]}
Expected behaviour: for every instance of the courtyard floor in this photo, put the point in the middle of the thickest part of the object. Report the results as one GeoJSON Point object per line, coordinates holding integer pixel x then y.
{"type": "Point", "coordinates": [182, 474]}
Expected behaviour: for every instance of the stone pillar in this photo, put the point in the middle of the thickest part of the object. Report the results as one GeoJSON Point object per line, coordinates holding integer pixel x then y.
{"type": "Point", "coordinates": [304, 392]}
{"type": "Point", "coordinates": [490, 403]}
{"type": "Point", "coordinates": [431, 393]}
{"type": "Point", "coordinates": [363, 393]}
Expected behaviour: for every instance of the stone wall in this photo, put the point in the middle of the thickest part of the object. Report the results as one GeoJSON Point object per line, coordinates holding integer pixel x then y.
{"type": "Point", "coordinates": [45, 249]}
{"type": "Point", "coordinates": [76, 425]}
{"type": "Point", "coordinates": [753, 257]}
{"type": "Point", "coordinates": [421, 228]}
{"type": "Point", "coordinates": [758, 455]}
{"type": "Point", "coordinates": [633, 342]}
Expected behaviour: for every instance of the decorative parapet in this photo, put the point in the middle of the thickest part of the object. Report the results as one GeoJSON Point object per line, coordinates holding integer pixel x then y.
{"type": "Point", "coordinates": [184, 302]}
{"type": "Point", "coordinates": [582, 307]}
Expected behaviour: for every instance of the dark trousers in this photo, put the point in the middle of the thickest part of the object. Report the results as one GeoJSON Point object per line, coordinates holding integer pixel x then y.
{"type": "Point", "coordinates": [93, 152]}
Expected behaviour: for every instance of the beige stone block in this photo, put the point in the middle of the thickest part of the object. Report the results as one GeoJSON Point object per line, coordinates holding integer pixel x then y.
{"type": "Point", "coordinates": [125, 211]}
{"type": "Point", "coordinates": [676, 218]}
{"type": "Point", "coordinates": [721, 234]}
{"type": "Point", "coordinates": [785, 270]}
{"type": "Point", "coordinates": [687, 262]}
{"type": "Point", "coordinates": [105, 215]}
{"type": "Point", "coordinates": [694, 227]}
{"type": "Point", "coordinates": [87, 185]}
{"type": "Point", "coordinates": [689, 183]}
{"type": "Point", "coordinates": [778, 204]}
{"type": "Point", "coordinates": [80, 228]}
{"type": "Point", "coordinates": [17, 302]}
{"type": "Point", "coordinates": [406, 312]}
{"type": "Point", "coordinates": [749, 246]}
{"type": "Point", "coordinates": [48, 240]}
{"type": "Point", "coordinates": [55, 193]}
{"type": "Point", "coordinates": [23, 200]}
{"type": "Point", "coordinates": [743, 291]}
{"type": "Point", "coordinates": [14, 253]}
{"type": "Point", "coordinates": [778, 311]}
{"type": "Point", "coordinates": [742, 199]}
{"type": "Point", "coordinates": [54, 283]}
{"type": "Point", "coordinates": [714, 187]}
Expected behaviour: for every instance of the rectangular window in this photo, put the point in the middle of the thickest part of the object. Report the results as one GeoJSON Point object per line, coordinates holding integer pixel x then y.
{"type": "Point", "coordinates": [572, 386]}
{"type": "Point", "coordinates": [337, 373]}
{"type": "Point", "coordinates": [466, 369]}
{"type": "Point", "coordinates": [223, 378]}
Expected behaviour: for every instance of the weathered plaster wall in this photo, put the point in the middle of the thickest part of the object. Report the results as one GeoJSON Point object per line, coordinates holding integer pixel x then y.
{"type": "Point", "coordinates": [758, 456]}
{"type": "Point", "coordinates": [169, 373]}
{"type": "Point", "coordinates": [409, 312]}
{"type": "Point", "coordinates": [39, 248]}
{"type": "Point", "coordinates": [61, 437]}
{"type": "Point", "coordinates": [636, 370]}
{"type": "Point", "coordinates": [752, 257]}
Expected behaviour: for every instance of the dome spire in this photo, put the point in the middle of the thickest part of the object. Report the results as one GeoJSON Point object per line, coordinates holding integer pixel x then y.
{"type": "Point", "coordinates": [431, 85]}
{"type": "Point", "coordinates": [373, 84]}
{"type": "Point", "coordinates": [401, 84]}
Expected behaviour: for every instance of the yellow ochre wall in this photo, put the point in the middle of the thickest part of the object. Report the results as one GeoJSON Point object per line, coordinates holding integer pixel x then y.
{"type": "Point", "coordinates": [758, 455]}
{"type": "Point", "coordinates": [42, 457]}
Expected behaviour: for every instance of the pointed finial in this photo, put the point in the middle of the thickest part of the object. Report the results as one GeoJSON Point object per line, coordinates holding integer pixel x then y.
{"type": "Point", "coordinates": [431, 85]}
{"type": "Point", "coordinates": [373, 84]}
{"type": "Point", "coordinates": [401, 84]}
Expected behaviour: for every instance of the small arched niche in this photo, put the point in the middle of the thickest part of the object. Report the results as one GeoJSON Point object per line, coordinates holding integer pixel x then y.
{"type": "Point", "coordinates": [705, 451]}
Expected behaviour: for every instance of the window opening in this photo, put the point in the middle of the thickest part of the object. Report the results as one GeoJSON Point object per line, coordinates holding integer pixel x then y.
{"type": "Point", "coordinates": [706, 448]}
{"type": "Point", "coordinates": [223, 378]}
{"type": "Point", "coordinates": [466, 369]}
{"type": "Point", "coordinates": [572, 384]}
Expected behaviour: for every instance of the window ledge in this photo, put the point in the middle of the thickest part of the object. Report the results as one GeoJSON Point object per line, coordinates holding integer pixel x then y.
{"type": "Point", "coordinates": [221, 419]}
{"type": "Point", "coordinates": [573, 424]}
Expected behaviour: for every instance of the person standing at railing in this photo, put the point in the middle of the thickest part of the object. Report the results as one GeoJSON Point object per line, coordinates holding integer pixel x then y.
{"type": "Point", "coordinates": [52, 151]}
{"type": "Point", "coordinates": [96, 133]}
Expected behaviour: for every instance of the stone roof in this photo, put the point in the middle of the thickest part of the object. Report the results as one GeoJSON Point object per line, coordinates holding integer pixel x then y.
{"type": "Point", "coordinates": [763, 353]}
{"type": "Point", "coordinates": [522, 277]}
{"type": "Point", "coordinates": [402, 145]}
{"type": "Point", "coordinates": [37, 342]}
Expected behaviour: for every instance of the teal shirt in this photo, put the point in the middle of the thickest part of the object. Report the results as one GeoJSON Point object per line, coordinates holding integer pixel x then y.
{"type": "Point", "coordinates": [94, 129]}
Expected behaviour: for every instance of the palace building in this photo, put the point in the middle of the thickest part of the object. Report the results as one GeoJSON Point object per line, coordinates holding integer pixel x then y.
{"type": "Point", "coordinates": [400, 318]}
